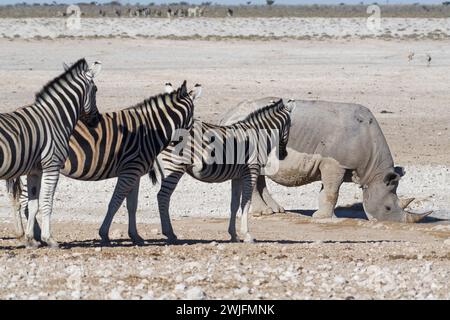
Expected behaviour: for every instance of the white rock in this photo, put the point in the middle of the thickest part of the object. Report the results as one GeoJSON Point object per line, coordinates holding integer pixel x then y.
{"type": "Point", "coordinates": [180, 287]}
{"type": "Point", "coordinates": [146, 273]}
{"type": "Point", "coordinates": [179, 278]}
{"type": "Point", "coordinates": [116, 294]}
{"type": "Point", "coordinates": [194, 278]}
{"type": "Point", "coordinates": [373, 269]}
{"type": "Point", "coordinates": [243, 290]}
{"type": "Point", "coordinates": [339, 280]}
{"type": "Point", "coordinates": [148, 296]}
{"type": "Point", "coordinates": [256, 283]}
{"type": "Point", "coordinates": [195, 293]}
{"type": "Point", "coordinates": [76, 294]}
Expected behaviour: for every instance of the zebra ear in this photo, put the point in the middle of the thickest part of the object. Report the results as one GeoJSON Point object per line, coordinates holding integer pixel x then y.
{"type": "Point", "coordinates": [65, 66]}
{"type": "Point", "coordinates": [95, 69]}
{"type": "Point", "coordinates": [290, 105]}
{"type": "Point", "coordinates": [196, 92]}
{"type": "Point", "coordinates": [183, 90]}
{"type": "Point", "coordinates": [168, 88]}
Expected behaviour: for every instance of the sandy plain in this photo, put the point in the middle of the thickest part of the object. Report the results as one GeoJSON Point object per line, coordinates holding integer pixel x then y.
{"type": "Point", "coordinates": [295, 257]}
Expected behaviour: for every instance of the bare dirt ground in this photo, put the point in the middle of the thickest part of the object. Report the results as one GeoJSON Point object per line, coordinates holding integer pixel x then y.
{"type": "Point", "coordinates": [295, 256]}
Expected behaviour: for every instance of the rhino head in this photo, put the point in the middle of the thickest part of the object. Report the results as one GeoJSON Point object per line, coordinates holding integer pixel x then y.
{"type": "Point", "coordinates": [381, 202]}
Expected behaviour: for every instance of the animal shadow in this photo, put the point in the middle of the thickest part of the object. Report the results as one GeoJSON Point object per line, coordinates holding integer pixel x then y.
{"type": "Point", "coordinates": [356, 211]}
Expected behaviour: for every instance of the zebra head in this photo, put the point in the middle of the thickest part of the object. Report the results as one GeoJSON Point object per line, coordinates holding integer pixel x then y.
{"type": "Point", "coordinates": [88, 102]}
{"type": "Point", "coordinates": [185, 104]}
{"type": "Point", "coordinates": [284, 112]}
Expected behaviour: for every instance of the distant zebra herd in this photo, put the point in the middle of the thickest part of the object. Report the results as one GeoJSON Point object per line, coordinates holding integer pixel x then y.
{"type": "Point", "coordinates": [146, 12]}
{"type": "Point", "coordinates": [63, 132]}
{"type": "Point", "coordinates": [157, 13]}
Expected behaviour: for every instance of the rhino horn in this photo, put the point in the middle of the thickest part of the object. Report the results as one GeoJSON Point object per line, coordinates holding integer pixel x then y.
{"type": "Point", "coordinates": [403, 203]}
{"type": "Point", "coordinates": [415, 217]}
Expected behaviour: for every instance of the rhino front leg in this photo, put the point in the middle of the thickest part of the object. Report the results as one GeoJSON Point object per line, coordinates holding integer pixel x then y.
{"type": "Point", "coordinates": [262, 202]}
{"type": "Point", "coordinates": [332, 175]}
{"type": "Point", "coordinates": [267, 197]}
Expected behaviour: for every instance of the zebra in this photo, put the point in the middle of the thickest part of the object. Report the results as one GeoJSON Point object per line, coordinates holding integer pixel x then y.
{"type": "Point", "coordinates": [124, 144]}
{"type": "Point", "coordinates": [195, 158]}
{"type": "Point", "coordinates": [34, 140]}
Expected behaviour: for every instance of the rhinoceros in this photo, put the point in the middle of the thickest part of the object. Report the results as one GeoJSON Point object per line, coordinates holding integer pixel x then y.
{"type": "Point", "coordinates": [335, 143]}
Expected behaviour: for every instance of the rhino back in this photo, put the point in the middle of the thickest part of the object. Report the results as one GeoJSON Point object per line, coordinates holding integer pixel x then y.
{"type": "Point", "coordinates": [346, 132]}
{"type": "Point", "coordinates": [336, 130]}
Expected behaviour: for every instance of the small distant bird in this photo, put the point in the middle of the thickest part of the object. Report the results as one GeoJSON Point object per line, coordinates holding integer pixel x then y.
{"type": "Point", "coordinates": [410, 56]}
{"type": "Point", "coordinates": [428, 59]}
{"type": "Point", "coordinates": [168, 87]}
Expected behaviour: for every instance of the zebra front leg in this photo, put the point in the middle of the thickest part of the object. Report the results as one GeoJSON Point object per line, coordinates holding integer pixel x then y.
{"type": "Point", "coordinates": [248, 184]}
{"type": "Point", "coordinates": [20, 209]}
{"type": "Point", "coordinates": [49, 182]}
{"type": "Point", "coordinates": [34, 185]}
{"type": "Point", "coordinates": [132, 201]}
{"type": "Point", "coordinates": [24, 212]}
{"type": "Point", "coordinates": [235, 201]}
{"type": "Point", "coordinates": [123, 187]}
{"type": "Point", "coordinates": [168, 185]}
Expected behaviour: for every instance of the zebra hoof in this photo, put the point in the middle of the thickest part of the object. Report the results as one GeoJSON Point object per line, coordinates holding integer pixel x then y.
{"type": "Point", "coordinates": [105, 242]}
{"type": "Point", "coordinates": [235, 239]}
{"type": "Point", "coordinates": [51, 243]}
{"type": "Point", "coordinates": [248, 238]}
{"type": "Point", "coordinates": [31, 244]}
{"type": "Point", "coordinates": [172, 240]}
{"type": "Point", "coordinates": [279, 210]}
{"type": "Point", "coordinates": [138, 241]}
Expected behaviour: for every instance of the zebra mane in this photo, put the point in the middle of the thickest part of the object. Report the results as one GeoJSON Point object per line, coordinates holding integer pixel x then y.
{"type": "Point", "coordinates": [82, 64]}
{"type": "Point", "coordinates": [156, 96]}
{"type": "Point", "coordinates": [277, 104]}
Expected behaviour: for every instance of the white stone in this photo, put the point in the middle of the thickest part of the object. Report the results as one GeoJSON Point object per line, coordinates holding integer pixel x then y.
{"type": "Point", "coordinates": [243, 290]}
{"type": "Point", "coordinates": [339, 280]}
{"type": "Point", "coordinates": [180, 287]}
{"type": "Point", "coordinates": [195, 293]}
{"type": "Point", "coordinates": [116, 294]}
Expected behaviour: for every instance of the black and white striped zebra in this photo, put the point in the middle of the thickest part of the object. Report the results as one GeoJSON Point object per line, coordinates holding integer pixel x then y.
{"type": "Point", "coordinates": [213, 153]}
{"type": "Point", "coordinates": [124, 144]}
{"type": "Point", "coordinates": [34, 140]}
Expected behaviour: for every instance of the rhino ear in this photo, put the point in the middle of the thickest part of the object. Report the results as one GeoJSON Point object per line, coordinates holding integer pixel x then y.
{"type": "Point", "coordinates": [400, 171]}
{"type": "Point", "coordinates": [391, 178]}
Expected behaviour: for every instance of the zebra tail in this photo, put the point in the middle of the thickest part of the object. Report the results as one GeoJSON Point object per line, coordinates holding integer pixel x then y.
{"type": "Point", "coordinates": [152, 176]}
{"type": "Point", "coordinates": [156, 172]}
{"type": "Point", "coordinates": [14, 187]}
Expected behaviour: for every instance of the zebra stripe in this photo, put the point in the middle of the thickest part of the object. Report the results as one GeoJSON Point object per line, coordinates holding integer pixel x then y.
{"type": "Point", "coordinates": [124, 144]}
{"type": "Point", "coordinates": [243, 141]}
{"type": "Point", "coordinates": [34, 140]}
